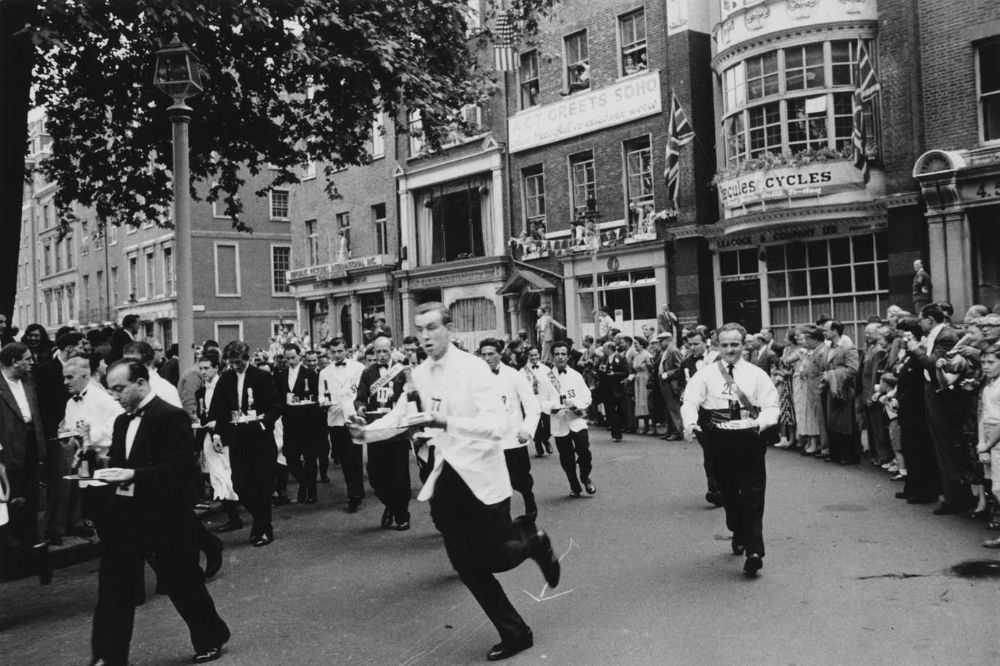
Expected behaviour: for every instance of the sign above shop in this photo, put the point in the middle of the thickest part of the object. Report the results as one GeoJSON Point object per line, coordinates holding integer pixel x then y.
{"type": "Point", "coordinates": [795, 233]}
{"type": "Point", "coordinates": [791, 186]}
{"type": "Point", "coordinates": [626, 100]}
{"type": "Point", "coordinates": [336, 270]}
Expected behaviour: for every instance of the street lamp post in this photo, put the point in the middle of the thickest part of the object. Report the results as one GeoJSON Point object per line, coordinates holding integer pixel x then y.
{"type": "Point", "coordinates": [178, 75]}
{"type": "Point", "coordinates": [589, 219]}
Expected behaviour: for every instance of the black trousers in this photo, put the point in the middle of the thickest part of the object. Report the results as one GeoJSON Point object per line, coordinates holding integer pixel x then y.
{"type": "Point", "coordinates": [945, 413]}
{"type": "Point", "coordinates": [389, 475]}
{"type": "Point", "coordinates": [519, 468]}
{"type": "Point", "coordinates": [128, 536]}
{"type": "Point", "coordinates": [251, 456]}
{"type": "Point", "coordinates": [351, 458]}
{"type": "Point", "coordinates": [574, 451]}
{"type": "Point", "coordinates": [739, 463]}
{"type": "Point", "coordinates": [844, 447]}
{"type": "Point", "coordinates": [323, 453]}
{"type": "Point", "coordinates": [614, 413]}
{"type": "Point", "coordinates": [62, 495]}
{"type": "Point", "coordinates": [301, 451]}
{"type": "Point", "coordinates": [481, 540]}
{"type": "Point", "coordinates": [542, 434]}
{"type": "Point", "coordinates": [708, 462]}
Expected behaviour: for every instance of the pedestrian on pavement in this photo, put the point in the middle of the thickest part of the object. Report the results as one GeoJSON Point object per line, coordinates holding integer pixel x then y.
{"type": "Point", "coordinates": [568, 404]}
{"type": "Point", "coordinates": [469, 487]}
{"type": "Point", "coordinates": [731, 403]}
{"type": "Point", "coordinates": [522, 410]}
{"type": "Point", "coordinates": [152, 466]}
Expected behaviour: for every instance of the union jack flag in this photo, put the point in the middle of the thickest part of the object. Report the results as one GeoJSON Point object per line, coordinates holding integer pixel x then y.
{"type": "Point", "coordinates": [679, 133]}
{"type": "Point", "coordinates": [867, 86]}
{"type": "Point", "coordinates": [504, 59]}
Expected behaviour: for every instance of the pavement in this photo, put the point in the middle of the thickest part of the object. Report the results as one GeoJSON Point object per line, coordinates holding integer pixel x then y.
{"type": "Point", "coordinates": [852, 576]}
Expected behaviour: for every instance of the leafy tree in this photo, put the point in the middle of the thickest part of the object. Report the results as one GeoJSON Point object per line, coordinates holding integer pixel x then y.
{"type": "Point", "coordinates": [287, 81]}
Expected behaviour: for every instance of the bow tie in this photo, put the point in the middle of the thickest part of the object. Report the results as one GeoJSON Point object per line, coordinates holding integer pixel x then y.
{"type": "Point", "coordinates": [699, 357]}
{"type": "Point", "coordinates": [340, 364]}
{"type": "Point", "coordinates": [134, 415]}
{"type": "Point", "coordinates": [535, 366]}
{"type": "Point", "coordinates": [78, 398]}
{"type": "Point", "coordinates": [561, 371]}
{"type": "Point", "coordinates": [495, 371]}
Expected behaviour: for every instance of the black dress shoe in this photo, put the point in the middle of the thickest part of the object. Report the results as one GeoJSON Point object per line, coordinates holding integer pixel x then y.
{"type": "Point", "coordinates": [575, 493]}
{"type": "Point", "coordinates": [280, 500]}
{"type": "Point", "coordinates": [352, 505]}
{"type": "Point", "coordinates": [737, 547]}
{"type": "Point", "coordinates": [310, 499]}
{"type": "Point", "coordinates": [43, 565]}
{"type": "Point", "coordinates": [589, 487]}
{"type": "Point", "coordinates": [403, 526]}
{"type": "Point", "coordinates": [503, 650]}
{"type": "Point", "coordinates": [263, 540]}
{"type": "Point", "coordinates": [211, 654]}
{"type": "Point", "coordinates": [542, 553]}
{"type": "Point", "coordinates": [229, 526]}
{"type": "Point", "coordinates": [213, 561]}
{"type": "Point", "coordinates": [324, 479]}
{"type": "Point", "coordinates": [386, 521]}
{"type": "Point", "coordinates": [753, 564]}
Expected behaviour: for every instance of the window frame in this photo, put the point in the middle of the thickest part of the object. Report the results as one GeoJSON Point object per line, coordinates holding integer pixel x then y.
{"type": "Point", "coordinates": [528, 175]}
{"type": "Point", "coordinates": [981, 96]}
{"type": "Point", "coordinates": [227, 322]}
{"type": "Point", "coordinates": [341, 218]}
{"type": "Point", "coordinates": [530, 85]}
{"type": "Point", "coordinates": [236, 262]}
{"type": "Point", "coordinates": [288, 290]}
{"type": "Point", "coordinates": [149, 285]}
{"type": "Point", "coordinates": [270, 204]}
{"type": "Point", "coordinates": [636, 146]}
{"type": "Point", "coordinates": [581, 159]}
{"type": "Point", "coordinates": [380, 223]}
{"type": "Point", "coordinates": [582, 62]}
{"type": "Point", "coordinates": [169, 270]}
{"type": "Point", "coordinates": [637, 46]}
{"type": "Point", "coordinates": [311, 227]}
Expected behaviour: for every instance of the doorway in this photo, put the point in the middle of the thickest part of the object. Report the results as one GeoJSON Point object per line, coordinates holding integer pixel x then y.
{"type": "Point", "coordinates": [741, 303]}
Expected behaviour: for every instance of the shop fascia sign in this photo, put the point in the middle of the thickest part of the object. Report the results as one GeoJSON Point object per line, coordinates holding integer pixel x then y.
{"type": "Point", "coordinates": [792, 234]}
{"type": "Point", "coordinates": [337, 270]}
{"type": "Point", "coordinates": [785, 184]}
{"type": "Point", "coordinates": [582, 113]}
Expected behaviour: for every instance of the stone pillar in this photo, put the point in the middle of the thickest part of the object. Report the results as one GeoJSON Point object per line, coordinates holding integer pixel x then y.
{"type": "Point", "coordinates": [497, 232]}
{"type": "Point", "coordinates": [409, 305]}
{"type": "Point", "coordinates": [951, 265]}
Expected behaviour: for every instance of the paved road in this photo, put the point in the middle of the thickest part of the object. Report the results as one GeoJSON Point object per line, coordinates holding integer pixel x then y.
{"type": "Point", "coordinates": [852, 576]}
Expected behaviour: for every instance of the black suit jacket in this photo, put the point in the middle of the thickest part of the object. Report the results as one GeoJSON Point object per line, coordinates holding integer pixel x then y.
{"type": "Point", "coordinates": [119, 339]}
{"type": "Point", "coordinates": [14, 432]}
{"type": "Point", "coordinates": [611, 372]}
{"type": "Point", "coordinates": [306, 388]}
{"type": "Point", "coordinates": [945, 340]}
{"type": "Point", "coordinates": [225, 401]}
{"type": "Point", "coordinates": [48, 376]}
{"type": "Point", "coordinates": [163, 457]}
{"type": "Point", "coordinates": [365, 398]}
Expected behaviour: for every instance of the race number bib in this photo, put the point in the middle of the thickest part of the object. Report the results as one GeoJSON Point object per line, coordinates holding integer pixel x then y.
{"type": "Point", "coordinates": [384, 394]}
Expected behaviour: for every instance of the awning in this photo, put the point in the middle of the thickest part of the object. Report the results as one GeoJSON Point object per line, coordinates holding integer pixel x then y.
{"type": "Point", "coordinates": [525, 280]}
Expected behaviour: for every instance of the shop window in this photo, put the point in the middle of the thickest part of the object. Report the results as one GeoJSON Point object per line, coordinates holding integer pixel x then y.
{"type": "Point", "coordinates": [528, 76]}
{"type": "Point", "coordinates": [473, 314]}
{"type": "Point", "coordinates": [989, 90]}
{"type": "Point", "coordinates": [577, 62]}
{"type": "Point", "coordinates": [632, 32]}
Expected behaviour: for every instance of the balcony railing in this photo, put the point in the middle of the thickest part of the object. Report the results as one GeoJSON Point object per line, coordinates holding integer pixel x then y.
{"type": "Point", "coordinates": [581, 238]}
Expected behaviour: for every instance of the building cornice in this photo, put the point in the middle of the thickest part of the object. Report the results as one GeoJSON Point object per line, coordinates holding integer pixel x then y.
{"type": "Point", "coordinates": [825, 31]}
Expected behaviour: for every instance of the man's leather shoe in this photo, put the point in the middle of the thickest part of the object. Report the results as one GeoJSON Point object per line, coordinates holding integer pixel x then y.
{"type": "Point", "coordinates": [280, 500]}
{"type": "Point", "coordinates": [590, 487]}
{"type": "Point", "coordinates": [403, 526]}
{"type": "Point", "coordinates": [229, 526]}
{"type": "Point", "coordinates": [263, 540]}
{"type": "Point", "coordinates": [548, 448]}
{"type": "Point", "coordinates": [213, 561]}
{"type": "Point", "coordinates": [43, 565]}
{"type": "Point", "coordinates": [386, 521]}
{"type": "Point", "coordinates": [737, 547]}
{"type": "Point", "coordinates": [310, 499]}
{"type": "Point", "coordinates": [946, 510]}
{"type": "Point", "coordinates": [352, 505]}
{"type": "Point", "coordinates": [574, 492]}
{"type": "Point", "coordinates": [753, 564]}
{"type": "Point", "coordinates": [542, 553]}
{"type": "Point", "coordinates": [211, 654]}
{"type": "Point", "coordinates": [504, 650]}
{"type": "Point", "coordinates": [324, 479]}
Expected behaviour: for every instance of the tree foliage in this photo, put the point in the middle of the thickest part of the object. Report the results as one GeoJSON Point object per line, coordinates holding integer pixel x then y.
{"type": "Point", "coordinates": [287, 81]}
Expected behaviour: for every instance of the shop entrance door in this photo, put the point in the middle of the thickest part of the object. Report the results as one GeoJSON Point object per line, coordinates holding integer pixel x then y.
{"type": "Point", "coordinates": [741, 303]}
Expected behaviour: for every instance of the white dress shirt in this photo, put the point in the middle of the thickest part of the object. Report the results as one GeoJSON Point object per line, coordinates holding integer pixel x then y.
{"type": "Point", "coordinates": [240, 380]}
{"type": "Point", "coordinates": [707, 389]}
{"type": "Point", "coordinates": [293, 376]}
{"type": "Point", "coordinates": [461, 387]}
{"type": "Point", "coordinates": [210, 392]}
{"type": "Point", "coordinates": [164, 390]}
{"type": "Point", "coordinates": [133, 425]}
{"type": "Point", "coordinates": [341, 382]}
{"type": "Point", "coordinates": [20, 396]}
{"type": "Point", "coordinates": [568, 387]}
{"type": "Point", "coordinates": [516, 395]}
{"type": "Point", "coordinates": [98, 410]}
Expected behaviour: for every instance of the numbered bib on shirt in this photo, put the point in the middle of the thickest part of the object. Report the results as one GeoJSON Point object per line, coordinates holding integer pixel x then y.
{"type": "Point", "coordinates": [383, 394]}
{"type": "Point", "coordinates": [125, 490]}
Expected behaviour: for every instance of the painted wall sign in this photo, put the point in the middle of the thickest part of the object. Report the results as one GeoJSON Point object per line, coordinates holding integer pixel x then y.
{"type": "Point", "coordinates": [626, 100]}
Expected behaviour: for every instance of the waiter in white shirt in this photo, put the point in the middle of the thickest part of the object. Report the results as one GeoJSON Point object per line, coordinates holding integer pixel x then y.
{"type": "Point", "coordinates": [91, 412]}
{"type": "Point", "coordinates": [730, 403]}
{"type": "Point", "coordinates": [469, 487]}
{"type": "Point", "coordinates": [568, 403]}
{"type": "Point", "coordinates": [522, 410]}
{"type": "Point", "coordinates": [338, 387]}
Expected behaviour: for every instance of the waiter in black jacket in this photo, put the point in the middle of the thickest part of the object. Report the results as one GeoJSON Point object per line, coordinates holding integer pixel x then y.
{"type": "Point", "coordinates": [243, 413]}
{"type": "Point", "coordinates": [380, 388]}
{"type": "Point", "coordinates": [612, 370]}
{"type": "Point", "coordinates": [296, 384]}
{"type": "Point", "coordinates": [152, 465]}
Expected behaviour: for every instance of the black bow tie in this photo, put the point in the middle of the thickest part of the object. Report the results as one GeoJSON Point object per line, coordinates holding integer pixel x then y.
{"type": "Point", "coordinates": [340, 364]}
{"type": "Point", "coordinates": [78, 398]}
{"type": "Point", "coordinates": [134, 415]}
{"type": "Point", "coordinates": [699, 357]}
{"type": "Point", "coordinates": [496, 371]}
{"type": "Point", "coordinates": [561, 371]}
{"type": "Point", "coordinates": [384, 366]}
{"type": "Point", "coordinates": [535, 366]}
